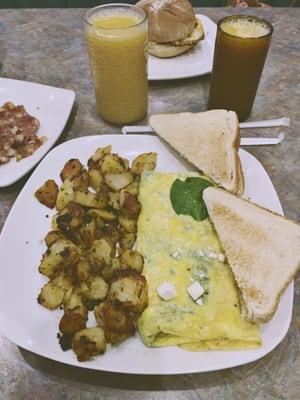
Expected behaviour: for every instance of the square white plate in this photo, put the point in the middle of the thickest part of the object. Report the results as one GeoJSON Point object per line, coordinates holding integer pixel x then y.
{"type": "Point", "coordinates": [33, 327]}
{"type": "Point", "coordinates": [195, 62]}
{"type": "Point", "coordinates": [50, 105]}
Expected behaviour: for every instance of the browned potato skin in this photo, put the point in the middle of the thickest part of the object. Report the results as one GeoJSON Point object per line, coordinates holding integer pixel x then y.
{"type": "Point", "coordinates": [130, 289]}
{"type": "Point", "coordinates": [81, 182]}
{"type": "Point", "coordinates": [144, 162]}
{"type": "Point", "coordinates": [52, 237]}
{"type": "Point", "coordinates": [132, 259]}
{"type": "Point", "coordinates": [115, 320]}
{"type": "Point", "coordinates": [71, 169]}
{"type": "Point", "coordinates": [127, 240]}
{"type": "Point", "coordinates": [89, 342]}
{"type": "Point", "coordinates": [129, 203]}
{"type": "Point", "coordinates": [47, 193]}
{"type": "Point", "coordinates": [81, 271]}
{"type": "Point", "coordinates": [73, 320]}
{"type": "Point", "coordinates": [51, 296]}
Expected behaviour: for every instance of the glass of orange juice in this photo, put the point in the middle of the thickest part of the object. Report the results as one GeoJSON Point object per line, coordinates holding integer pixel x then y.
{"type": "Point", "coordinates": [116, 37]}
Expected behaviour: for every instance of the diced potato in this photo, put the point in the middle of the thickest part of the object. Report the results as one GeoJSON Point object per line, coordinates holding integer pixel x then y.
{"type": "Point", "coordinates": [144, 162]}
{"type": "Point", "coordinates": [71, 169]}
{"type": "Point", "coordinates": [63, 281]}
{"type": "Point", "coordinates": [97, 157]}
{"type": "Point", "coordinates": [65, 195]}
{"type": "Point", "coordinates": [129, 203]}
{"type": "Point", "coordinates": [114, 200]}
{"type": "Point", "coordinates": [74, 301]}
{"type": "Point", "coordinates": [130, 289]}
{"type": "Point", "coordinates": [52, 236]}
{"type": "Point", "coordinates": [132, 259]}
{"type": "Point", "coordinates": [81, 182]}
{"type": "Point", "coordinates": [99, 254]}
{"type": "Point", "coordinates": [110, 232]}
{"type": "Point", "coordinates": [81, 271]}
{"type": "Point", "coordinates": [72, 216]}
{"type": "Point", "coordinates": [133, 187]}
{"type": "Point", "coordinates": [51, 296]}
{"type": "Point", "coordinates": [129, 225]}
{"type": "Point", "coordinates": [102, 213]}
{"type": "Point", "coordinates": [97, 288]}
{"type": "Point", "coordinates": [89, 199]}
{"type": "Point", "coordinates": [61, 254]}
{"type": "Point", "coordinates": [73, 321]}
{"type": "Point", "coordinates": [109, 270]}
{"type": "Point", "coordinates": [112, 164]}
{"type": "Point", "coordinates": [89, 342]}
{"type": "Point", "coordinates": [118, 181]}
{"type": "Point", "coordinates": [127, 240]}
{"type": "Point", "coordinates": [95, 177]}
{"type": "Point", "coordinates": [87, 233]}
{"type": "Point", "coordinates": [115, 321]}
{"type": "Point", "coordinates": [47, 193]}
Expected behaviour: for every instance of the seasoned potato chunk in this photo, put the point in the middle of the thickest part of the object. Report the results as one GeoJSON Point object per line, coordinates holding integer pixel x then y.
{"type": "Point", "coordinates": [65, 194]}
{"type": "Point", "coordinates": [51, 296]}
{"type": "Point", "coordinates": [129, 203]}
{"type": "Point", "coordinates": [74, 301]}
{"type": "Point", "coordinates": [52, 237]}
{"type": "Point", "coordinates": [112, 164]}
{"type": "Point", "coordinates": [89, 342]}
{"type": "Point", "coordinates": [81, 182]}
{"type": "Point", "coordinates": [118, 181]}
{"type": "Point", "coordinates": [63, 281]}
{"type": "Point", "coordinates": [109, 270]}
{"type": "Point", "coordinates": [100, 253]}
{"type": "Point", "coordinates": [132, 259]}
{"type": "Point", "coordinates": [97, 157]}
{"type": "Point", "coordinates": [96, 178]}
{"type": "Point", "coordinates": [110, 232]}
{"type": "Point", "coordinates": [47, 193]}
{"type": "Point", "coordinates": [114, 200]}
{"type": "Point", "coordinates": [144, 162]}
{"type": "Point", "coordinates": [71, 169]}
{"type": "Point", "coordinates": [130, 289]}
{"type": "Point", "coordinates": [61, 254]}
{"type": "Point", "coordinates": [87, 232]}
{"type": "Point", "coordinates": [89, 199]}
{"type": "Point", "coordinates": [82, 270]}
{"type": "Point", "coordinates": [96, 289]}
{"type": "Point", "coordinates": [73, 320]}
{"type": "Point", "coordinates": [115, 320]}
{"type": "Point", "coordinates": [128, 224]}
{"type": "Point", "coordinates": [133, 187]}
{"type": "Point", "coordinates": [127, 239]}
{"type": "Point", "coordinates": [102, 214]}
{"type": "Point", "coordinates": [71, 217]}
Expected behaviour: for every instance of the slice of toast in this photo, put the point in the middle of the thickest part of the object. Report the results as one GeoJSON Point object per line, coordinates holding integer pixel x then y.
{"type": "Point", "coordinates": [262, 249]}
{"type": "Point", "coordinates": [209, 140]}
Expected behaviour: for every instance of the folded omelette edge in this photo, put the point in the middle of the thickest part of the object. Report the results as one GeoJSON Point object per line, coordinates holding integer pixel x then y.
{"type": "Point", "coordinates": [180, 250]}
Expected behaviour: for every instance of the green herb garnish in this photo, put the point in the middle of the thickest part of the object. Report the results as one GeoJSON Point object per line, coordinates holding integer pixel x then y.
{"type": "Point", "coordinates": [186, 197]}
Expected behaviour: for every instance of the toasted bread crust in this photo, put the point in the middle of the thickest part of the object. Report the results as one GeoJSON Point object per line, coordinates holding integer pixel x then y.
{"type": "Point", "coordinates": [262, 258]}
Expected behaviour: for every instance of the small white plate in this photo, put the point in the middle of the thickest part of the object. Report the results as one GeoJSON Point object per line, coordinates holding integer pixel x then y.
{"type": "Point", "coordinates": [195, 62]}
{"type": "Point", "coordinates": [50, 105]}
{"type": "Point", "coordinates": [33, 327]}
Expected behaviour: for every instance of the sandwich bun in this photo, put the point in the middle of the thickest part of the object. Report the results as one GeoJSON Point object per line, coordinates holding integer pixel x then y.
{"type": "Point", "coordinates": [172, 49]}
{"type": "Point", "coordinates": [168, 20]}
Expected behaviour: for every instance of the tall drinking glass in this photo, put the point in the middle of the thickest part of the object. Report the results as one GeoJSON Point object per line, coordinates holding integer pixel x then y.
{"type": "Point", "coordinates": [116, 37]}
{"type": "Point", "coordinates": [241, 48]}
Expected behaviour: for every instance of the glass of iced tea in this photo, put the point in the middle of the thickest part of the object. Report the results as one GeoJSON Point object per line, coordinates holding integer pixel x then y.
{"type": "Point", "coordinates": [241, 48]}
{"type": "Point", "coordinates": [116, 37]}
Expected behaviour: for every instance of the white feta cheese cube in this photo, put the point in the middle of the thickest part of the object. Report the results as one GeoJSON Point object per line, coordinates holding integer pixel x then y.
{"type": "Point", "coordinates": [199, 302]}
{"type": "Point", "coordinates": [195, 290]}
{"type": "Point", "coordinates": [166, 291]}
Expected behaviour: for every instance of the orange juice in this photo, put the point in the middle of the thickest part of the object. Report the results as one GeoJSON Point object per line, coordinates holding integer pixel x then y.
{"type": "Point", "coordinates": [116, 37]}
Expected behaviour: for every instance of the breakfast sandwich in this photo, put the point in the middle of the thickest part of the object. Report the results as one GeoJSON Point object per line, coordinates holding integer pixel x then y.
{"type": "Point", "coordinates": [173, 27]}
{"type": "Point", "coordinates": [193, 298]}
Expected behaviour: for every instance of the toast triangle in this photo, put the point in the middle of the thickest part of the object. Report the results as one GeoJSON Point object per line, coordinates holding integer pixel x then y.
{"type": "Point", "coordinates": [262, 249]}
{"type": "Point", "coordinates": [209, 140]}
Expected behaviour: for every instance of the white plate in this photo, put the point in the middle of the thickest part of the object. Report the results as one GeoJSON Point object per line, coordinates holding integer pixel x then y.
{"type": "Point", "coordinates": [195, 62]}
{"type": "Point", "coordinates": [32, 327]}
{"type": "Point", "coordinates": [50, 105]}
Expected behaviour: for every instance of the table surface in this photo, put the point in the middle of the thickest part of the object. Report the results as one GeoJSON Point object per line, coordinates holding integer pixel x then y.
{"type": "Point", "coordinates": [46, 46]}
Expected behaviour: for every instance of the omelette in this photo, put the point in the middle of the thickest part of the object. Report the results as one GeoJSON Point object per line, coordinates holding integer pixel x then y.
{"type": "Point", "coordinates": [193, 299]}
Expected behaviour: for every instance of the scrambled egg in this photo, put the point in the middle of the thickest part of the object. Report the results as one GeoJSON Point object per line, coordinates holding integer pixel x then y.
{"type": "Point", "coordinates": [179, 252]}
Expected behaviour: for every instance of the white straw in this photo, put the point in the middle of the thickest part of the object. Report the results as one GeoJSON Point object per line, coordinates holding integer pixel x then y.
{"type": "Point", "coordinates": [266, 124]}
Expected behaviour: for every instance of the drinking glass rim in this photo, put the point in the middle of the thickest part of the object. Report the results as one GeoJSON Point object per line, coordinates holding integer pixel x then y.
{"type": "Point", "coordinates": [116, 5]}
{"type": "Point", "coordinates": [243, 16]}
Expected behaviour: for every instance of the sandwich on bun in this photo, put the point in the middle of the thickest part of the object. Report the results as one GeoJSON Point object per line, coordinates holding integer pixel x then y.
{"type": "Point", "coordinates": [173, 26]}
